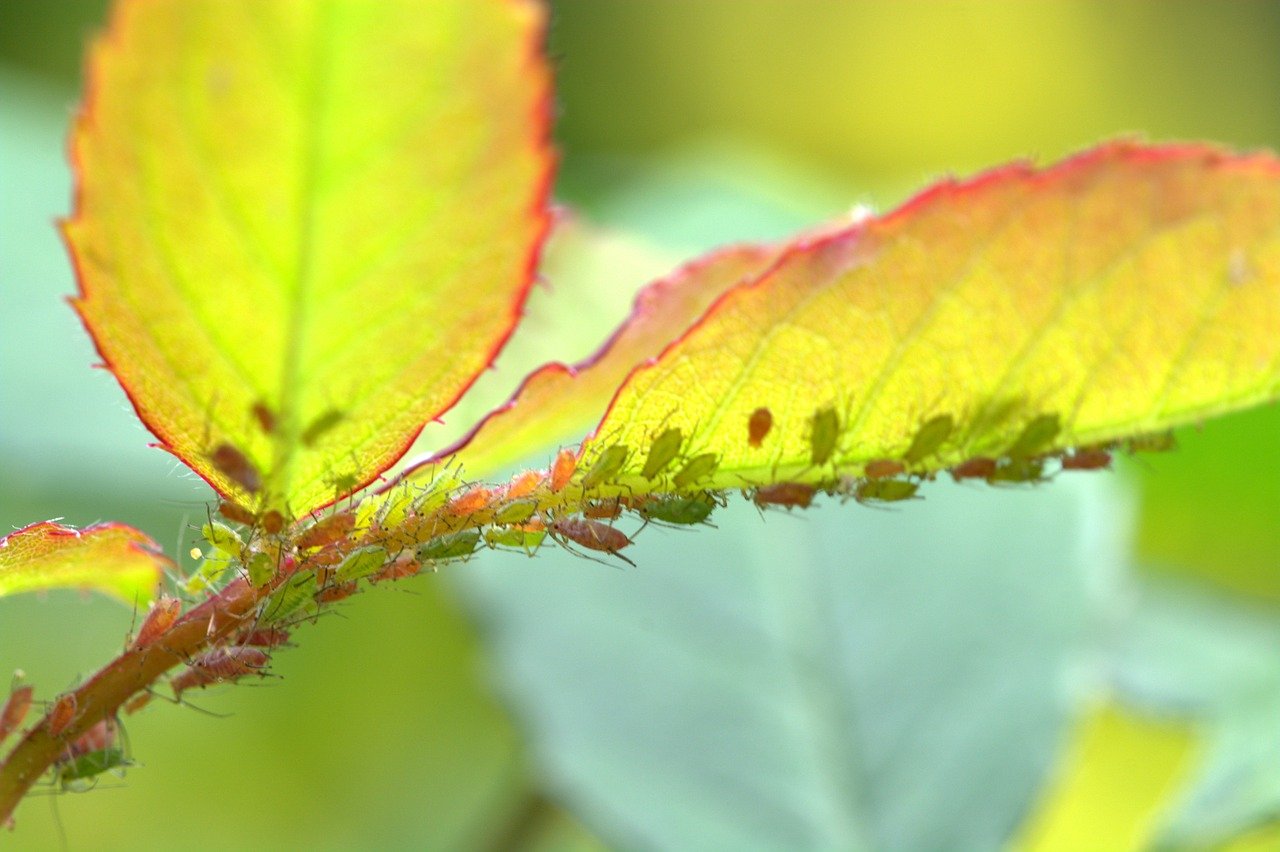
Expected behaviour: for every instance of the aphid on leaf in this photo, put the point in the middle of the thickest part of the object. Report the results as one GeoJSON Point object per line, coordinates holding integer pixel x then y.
{"type": "Point", "coordinates": [451, 546]}
{"type": "Point", "coordinates": [788, 494]}
{"type": "Point", "coordinates": [826, 429]}
{"type": "Point", "coordinates": [525, 484]}
{"type": "Point", "coordinates": [328, 530]}
{"type": "Point", "coordinates": [931, 435]}
{"type": "Point", "coordinates": [978, 467]}
{"type": "Point", "coordinates": [224, 539]}
{"type": "Point", "coordinates": [1018, 471]}
{"type": "Point", "coordinates": [883, 468]}
{"type": "Point", "coordinates": [164, 612]}
{"type": "Point", "coordinates": [272, 522]}
{"type": "Point", "coordinates": [321, 425]}
{"type": "Point", "coordinates": [72, 773]}
{"type": "Point", "coordinates": [562, 469]}
{"type": "Point", "coordinates": [265, 637]}
{"type": "Point", "coordinates": [885, 491]}
{"type": "Point", "coordinates": [265, 416]}
{"type": "Point", "coordinates": [758, 426]}
{"type": "Point", "coordinates": [15, 710]}
{"type": "Point", "coordinates": [606, 466]}
{"type": "Point", "coordinates": [220, 665]}
{"type": "Point", "coordinates": [593, 535]}
{"type": "Point", "coordinates": [1159, 442]}
{"type": "Point", "coordinates": [522, 537]}
{"type": "Point", "coordinates": [235, 465]}
{"type": "Point", "coordinates": [515, 513]}
{"type": "Point", "coordinates": [678, 510]}
{"type": "Point", "coordinates": [603, 510]}
{"type": "Point", "coordinates": [361, 563]}
{"type": "Point", "coordinates": [339, 592]}
{"type": "Point", "coordinates": [294, 595]}
{"type": "Point", "coordinates": [1087, 460]}
{"type": "Point", "coordinates": [239, 514]}
{"type": "Point", "coordinates": [663, 451]}
{"type": "Point", "coordinates": [261, 569]}
{"type": "Point", "coordinates": [404, 565]}
{"type": "Point", "coordinates": [1035, 436]}
{"type": "Point", "coordinates": [62, 714]}
{"type": "Point", "coordinates": [696, 469]}
{"type": "Point", "coordinates": [471, 501]}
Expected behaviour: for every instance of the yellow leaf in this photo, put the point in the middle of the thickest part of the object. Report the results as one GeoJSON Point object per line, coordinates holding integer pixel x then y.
{"type": "Point", "coordinates": [303, 229]}
{"type": "Point", "coordinates": [111, 558]}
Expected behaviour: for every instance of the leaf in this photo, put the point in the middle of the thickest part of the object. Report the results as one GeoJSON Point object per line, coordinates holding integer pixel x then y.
{"type": "Point", "coordinates": [304, 229]}
{"type": "Point", "coordinates": [557, 399]}
{"type": "Point", "coordinates": [111, 558]}
{"type": "Point", "coordinates": [1124, 291]}
{"type": "Point", "coordinates": [883, 680]}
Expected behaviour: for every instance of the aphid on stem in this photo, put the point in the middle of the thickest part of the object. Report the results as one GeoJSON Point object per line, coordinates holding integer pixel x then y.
{"type": "Point", "coordinates": [15, 710]}
{"type": "Point", "coordinates": [328, 530]}
{"type": "Point", "coordinates": [525, 484]}
{"type": "Point", "coordinates": [162, 615]}
{"type": "Point", "coordinates": [603, 510]}
{"type": "Point", "coordinates": [220, 665]}
{"type": "Point", "coordinates": [562, 469]}
{"type": "Point", "coordinates": [677, 510]}
{"type": "Point", "coordinates": [471, 501]}
{"type": "Point", "coordinates": [62, 714]}
{"type": "Point", "coordinates": [593, 535]}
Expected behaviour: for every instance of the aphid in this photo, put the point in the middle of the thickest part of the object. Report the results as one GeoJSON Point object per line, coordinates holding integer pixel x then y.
{"type": "Point", "coordinates": [361, 563]}
{"type": "Point", "coordinates": [930, 436]}
{"type": "Point", "coordinates": [261, 569]}
{"type": "Point", "coordinates": [978, 467]}
{"type": "Point", "coordinates": [239, 514]}
{"type": "Point", "coordinates": [321, 425]}
{"type": "Point", "coordinates": [297, 594]}
{"type": "Point", "coordinates": [1159, 442]}
{"type": "Point", "coordinates": [224, 539]}
{"type": "Point", "coordinates": [265, 416]}
{"type": "Point", "coordinates": [451, 546]}
{"type": "Point", "coordinates": [883, 468]}
{"type": "Point", "coordinates": [1035, 435]}
{"type": "Point", "coordinates": [137, 702]}
{"type": "Point", "coordinates": [593, 535]}
{"type": "Point", "coordinates": [758, 426]}
{"type": "Point", "coordinates": [525, 484]}
{"type": "Point", "coordinates": [515, 513]}
{"type": "Point", "coordinates": [696, 469]}
{"type": "Point", "coordinates": [265, 637]}
{"type": "Point", "coordinates": [562, 469]}
{"type": "Point", "coordinates": [340, 592]}
{"type": "Point", "coordinates": [88, 766]}
{"type": "Point", "coordinates": [789, 494]}
{"type": "Point", "coordinates": [218, 666]}
{"type": "Point", "coordinates": [664, 450]}
{"type": "Point", "coordinates": [100, 735]}
{"type": "Point", "coordinates": [1018, 470]}
{"type": "Point", "coordinates": [62, 714]}
{"type": "Point", "coordinates": [404, 565]}
{"type": "Point", "coordinates": [1087, 460]}
{"type": "Point", "coordinates": [471, 501]}
{"type": "Point", "coordinates": [521, 537]}
{"type": "Point", "coordinates": [327, 530]}
{"type": "Point", "coordinates": [164, 612]}
{"type": "Point", "coordinates": [15, 710]}
{"type": "Point", "coordinates": [885, 490]}
{"type": "Point", "coordinates": [606, 466]}
{"type": "Point", "coordinates": [678, 510]}
{"type": "Point", "coordinates": [272, 522]}
{"type": "Point", "coordinates": [603, 510]}
{"type": "Point", "coordinates": [826, 429]}
{"type": "Point", "coordinates": [235, 465]}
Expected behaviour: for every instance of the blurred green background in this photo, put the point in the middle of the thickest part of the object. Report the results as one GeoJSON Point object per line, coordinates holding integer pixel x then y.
{"type": "Point", "coordinates": [653, 705]}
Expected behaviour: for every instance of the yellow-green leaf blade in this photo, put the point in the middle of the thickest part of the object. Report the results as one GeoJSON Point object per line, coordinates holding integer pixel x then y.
{"type": "Point", "coordinates": [110, 558]}
{"type": "Point", "coordinates": [304, 228]}
{"type": "Point", "coordinates": [1124, 291]}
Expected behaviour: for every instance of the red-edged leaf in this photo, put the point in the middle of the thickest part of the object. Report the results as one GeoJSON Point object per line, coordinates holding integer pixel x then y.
{"type": "Point", "coordinates": [111, 558]}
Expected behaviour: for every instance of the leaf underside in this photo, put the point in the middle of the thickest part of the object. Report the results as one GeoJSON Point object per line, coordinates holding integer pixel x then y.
{"type": "Point", "coordinates": [110, 558]}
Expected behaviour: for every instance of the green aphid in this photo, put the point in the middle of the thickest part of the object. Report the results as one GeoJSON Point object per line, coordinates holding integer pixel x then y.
{"type": "Point", "coordinates": [1159, 442]}
{"type": "Point", "coordinates": [885, 490]}
{"type": "Point", "coordinates": [435, 498]}
{"type": "Point", "coordinates": [826, 429]}
{"type": "Point", "coordinates": [930, 436]}
{"type": "Point", "coordinates": [88, 766]}
{"type": "Point", "coordinates": [516, 512]}
{"type": "Point", "coordinates": [206, 576]}
{"type": "Point", "coordinates": [1018, 470]}
{"type": "Point", "coordinates": [1035, 436]}
{"type": "Point", "coordinates": [360, 563]}
{"type": "Point", "coordinates": [451, 546]}
{"type": "Point", "coordinates": [223, 538]}
{"type": "Point", "coordinates": [297, 594]}
{"type": "Point", "coordinates": [321, 425]}
{"type": "Point", "coordinates": [697, 469]}
{"type": "Point", "coordinates": [606, 466]}
{"type": "Point", "coordinates": [679, 510]}
{"type": "Point", "coordinates": [664, 450]}
{"type": "Point", "coordinates": [261, 569]}
{"type": "Point", "coordinates": [515, 537]}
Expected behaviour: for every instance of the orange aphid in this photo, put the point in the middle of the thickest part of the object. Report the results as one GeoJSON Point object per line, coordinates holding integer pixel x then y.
{"type": "Point", "coordinates": [62, 714]}
{"type": "Point", "coordinates": [328, 530]}
{"type": "Point", "coordinates": [1087, 460]}
{"type": "Point", "coordinates": [239, 514]}
{"type": "Point", "coordinates": [789, 494]}
{"type": "Point", "coordinates": [605, 510]}
{"type": "Point", "coordinates": [265, 416]}
{"type": "Point", "coordinates": [15, 710]}
{"type": "Point", "coordinates": [525, 483]}
{"type": "Point", "coordinates": [562, 469]}
{"type": "Point", "coordinates": [979, 467]}
{"type": "Point", "coordinates": [758, 426]}
{"type": "Point", "coordinates": [101, 735]}
{"type": "Point", "coordinates": [470, 502]}
{"type": "Point", "coordinates": [339, 592]}
{"type": "Point", "coordinates": [593, 535]}
{"type": "Point", "coordinates": [137, 702]}
{"type": "Point", "coordinates": [235, 465]}
{"type": "Point", "coordinates": [265, 637]}
{"type": "Point", "coordinates": [882, 468]}
{"type": "Point", "coordinates": [223, 664]}
{"type": "Point", "coordinates": [272, 522]}
{"type": "Point", "coordinates": [404, 565]}
{"type": "Point", "coordinates": [164, 612]}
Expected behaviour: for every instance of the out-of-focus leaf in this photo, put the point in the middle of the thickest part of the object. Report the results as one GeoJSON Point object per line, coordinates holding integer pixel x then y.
{"type": "Point", "coordinates": [883, 680]}
{"type": "Point", "coordinates": [303, 229]}
{"type": "Point", "coordinates": [111, 558]}
{"type": "Point", "coordinates": [1127, 290]}
{"type": "Point", "coordinates": [1116, 778]}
